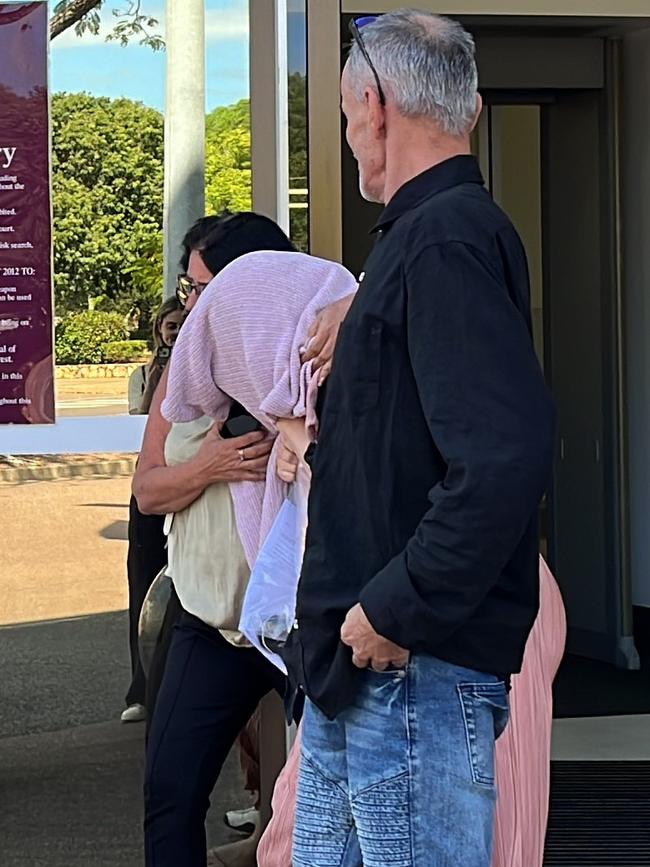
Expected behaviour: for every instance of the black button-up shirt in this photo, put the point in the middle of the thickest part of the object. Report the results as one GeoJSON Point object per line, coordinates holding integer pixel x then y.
{"type": "Point", "coordinates": [435, 447]}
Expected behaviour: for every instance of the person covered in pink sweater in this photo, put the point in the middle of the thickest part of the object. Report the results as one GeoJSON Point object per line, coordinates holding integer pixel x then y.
{"type": "Point", "coordinates": [243, 347]}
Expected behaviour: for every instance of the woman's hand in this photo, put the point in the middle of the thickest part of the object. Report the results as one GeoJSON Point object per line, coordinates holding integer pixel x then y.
{"type": "Point", "coordinates": [323, 334]}
{"type": "Point", "coordinates": [294, 442]}
{"type": "Point", "coordinates": [240, 459]}
{"type": "Point", "coordinates": [287, 468]}
{"type": "Point", "coordinates": [160, 489]}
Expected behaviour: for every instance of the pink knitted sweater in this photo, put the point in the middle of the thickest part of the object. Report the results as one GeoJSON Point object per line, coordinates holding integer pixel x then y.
{"type": "Point", "coordinates": [242, 343]}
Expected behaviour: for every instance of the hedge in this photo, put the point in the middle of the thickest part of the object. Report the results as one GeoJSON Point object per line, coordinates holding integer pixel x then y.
{"type": "Point", "coordinates": [126, 351]}
{"type": "Point", "coordinates": [81, 338]}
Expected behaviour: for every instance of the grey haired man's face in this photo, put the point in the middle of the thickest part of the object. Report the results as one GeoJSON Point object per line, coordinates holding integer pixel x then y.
{"type": "Point", "coordinates": [367, 146]}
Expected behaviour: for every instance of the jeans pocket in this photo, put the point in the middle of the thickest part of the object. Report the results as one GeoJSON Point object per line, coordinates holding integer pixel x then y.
{"type": "Point", "coordinates": [485, 714]}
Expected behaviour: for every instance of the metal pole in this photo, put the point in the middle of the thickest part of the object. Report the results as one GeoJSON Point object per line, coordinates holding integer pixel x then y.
{"type": "Point", "coordinates": [282, 113]}
{"type": "Point", "coordinates": [184, 128]}
{"type": "Point", "coordinates": [269, 88]}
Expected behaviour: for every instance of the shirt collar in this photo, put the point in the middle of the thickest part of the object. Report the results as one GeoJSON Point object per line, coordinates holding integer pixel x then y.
{"type": "Point", "coordinates": [450, 173]}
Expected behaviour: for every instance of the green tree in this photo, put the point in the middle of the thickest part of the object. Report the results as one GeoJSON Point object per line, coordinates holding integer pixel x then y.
{"type": "Point", "coordinates": [107, 191]}
{"type": "Point", "coordinates": [228, 159]}
{"type": "Point", "coordinates": [228, 117]}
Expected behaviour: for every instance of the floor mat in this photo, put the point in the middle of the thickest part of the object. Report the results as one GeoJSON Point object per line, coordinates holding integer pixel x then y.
{"type": "Point", "coordinates": [600, 815]}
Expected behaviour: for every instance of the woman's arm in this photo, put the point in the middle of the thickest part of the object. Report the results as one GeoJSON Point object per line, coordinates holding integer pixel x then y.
{"type": "Point", "coordinates": [295, 437]}
{"type": "Point", "coordinates": [160, 489]}
{"type": "Point", "coordinates": [320, 347]}
{"type": "Point", "coordinates": [323, 335]}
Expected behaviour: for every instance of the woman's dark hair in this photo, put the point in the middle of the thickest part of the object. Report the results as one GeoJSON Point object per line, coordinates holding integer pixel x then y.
{"type": "Point", "coordinates": [220, 240]}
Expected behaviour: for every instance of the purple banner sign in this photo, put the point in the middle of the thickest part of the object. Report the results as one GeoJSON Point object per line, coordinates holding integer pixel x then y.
{"type": "Point", "coordinates": [26, 354]}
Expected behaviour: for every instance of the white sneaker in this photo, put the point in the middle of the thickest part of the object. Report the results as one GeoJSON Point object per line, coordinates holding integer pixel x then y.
{"type": "Point", "coordinates": [134, 713]}
{"type": "Point", "coordinates": [245, 821]}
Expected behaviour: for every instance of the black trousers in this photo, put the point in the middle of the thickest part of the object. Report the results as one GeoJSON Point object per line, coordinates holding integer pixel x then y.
{"type": "Point", "coordinates": [208, 693]}
{"type": "Point", "coordinates": [146, 557]}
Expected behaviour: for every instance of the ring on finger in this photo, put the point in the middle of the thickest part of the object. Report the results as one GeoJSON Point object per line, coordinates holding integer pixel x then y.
{"type": "Point", "coordinates": [242, 454]}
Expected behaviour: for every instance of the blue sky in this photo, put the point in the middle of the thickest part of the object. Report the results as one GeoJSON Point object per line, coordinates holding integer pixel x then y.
{"type": "Point", "coordinates": [106, 69]}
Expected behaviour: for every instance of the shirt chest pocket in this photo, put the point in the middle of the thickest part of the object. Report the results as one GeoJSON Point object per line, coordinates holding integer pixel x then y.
{"type": "Point", "coordinates": [359, 364]}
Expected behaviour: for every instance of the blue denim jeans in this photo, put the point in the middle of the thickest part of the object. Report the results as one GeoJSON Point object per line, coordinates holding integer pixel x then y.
{"type": "Point", "coordinates": [405, 776]}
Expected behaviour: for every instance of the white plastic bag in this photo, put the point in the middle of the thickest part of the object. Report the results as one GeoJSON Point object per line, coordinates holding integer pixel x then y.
{"type": "Point", "coordinates": [269, 608]}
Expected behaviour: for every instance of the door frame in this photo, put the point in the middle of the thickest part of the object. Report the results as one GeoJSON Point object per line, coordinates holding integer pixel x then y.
{"type": "Point", "coordinates": [562, 61]}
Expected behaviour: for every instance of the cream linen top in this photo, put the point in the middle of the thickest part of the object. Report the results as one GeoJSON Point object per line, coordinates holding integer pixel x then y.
{"type": "Point", "coordinates": [206, 559]}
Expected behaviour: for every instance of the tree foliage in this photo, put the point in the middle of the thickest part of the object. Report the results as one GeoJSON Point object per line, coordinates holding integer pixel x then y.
{"type": "Point", "coordinates": [228, 117]}
{"type": "Point", "coordinates": [228, 159]}
{"type": "Point", "coordinates": [84, 16]}
{"type": "Point", "coordinates": [107, 191]}
{"type": "Point", "coordinates": [81, 338]}
{"type": "Point", "coordinates": [125, 351]}
{"type": "Point", "coordinates": [298, 170]}
{"type": "Point", "coordinates": [80, 14]}
{"type": "Point", "coordinates": [108, 195]}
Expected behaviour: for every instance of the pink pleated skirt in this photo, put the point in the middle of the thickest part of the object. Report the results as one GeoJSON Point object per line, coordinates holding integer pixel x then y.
{"type": "Point", "coordinates": [523, 756]}
{"type": "Point", "coordinates": [523, 753]}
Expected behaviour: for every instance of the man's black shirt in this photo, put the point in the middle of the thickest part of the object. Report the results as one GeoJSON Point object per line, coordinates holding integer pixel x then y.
{"type": "Point", "coordinates": [435, 446]}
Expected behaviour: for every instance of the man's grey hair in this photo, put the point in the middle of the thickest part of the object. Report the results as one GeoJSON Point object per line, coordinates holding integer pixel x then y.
{"type": "Point", "coordinates": [425, 62]}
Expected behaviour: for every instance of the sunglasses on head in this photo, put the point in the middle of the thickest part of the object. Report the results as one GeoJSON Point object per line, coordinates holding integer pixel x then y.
{"type": "Point", "coordinates": [356, 26]}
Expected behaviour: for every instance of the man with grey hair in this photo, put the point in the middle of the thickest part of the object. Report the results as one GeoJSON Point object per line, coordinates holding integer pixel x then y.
{"type": "Point", "coordinates": [420, 580]}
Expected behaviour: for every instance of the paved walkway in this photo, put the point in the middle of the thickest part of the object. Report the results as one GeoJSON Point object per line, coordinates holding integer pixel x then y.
{"type": "Point", "coordinates": [70, 773]}
{"type": "Point", "coordinates": [91, 397]}
{"type": "Point", "coordinates": [63, 551]}
{"type": "Point", "coordinates": [70, 785]}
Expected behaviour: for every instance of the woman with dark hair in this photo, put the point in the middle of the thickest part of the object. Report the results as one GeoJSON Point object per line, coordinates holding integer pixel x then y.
{"type": "Point", "coordinates": [217, 241]}
{"type": "Point", "coordinates": [182, 473]}
{"type": "Point", "coordinates": [210, 244]}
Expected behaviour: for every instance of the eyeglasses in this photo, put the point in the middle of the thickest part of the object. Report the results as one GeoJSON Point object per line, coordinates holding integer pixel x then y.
{"type": "Point", "coordinates": [185, 286]}
{"type": "Point", "coordinates": [356, 25]}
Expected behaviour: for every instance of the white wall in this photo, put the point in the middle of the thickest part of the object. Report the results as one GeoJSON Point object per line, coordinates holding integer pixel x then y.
{"type": "Point", "coordinates": [83, 435]}
{"type": "Point", "coordinates": [636, 239]}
